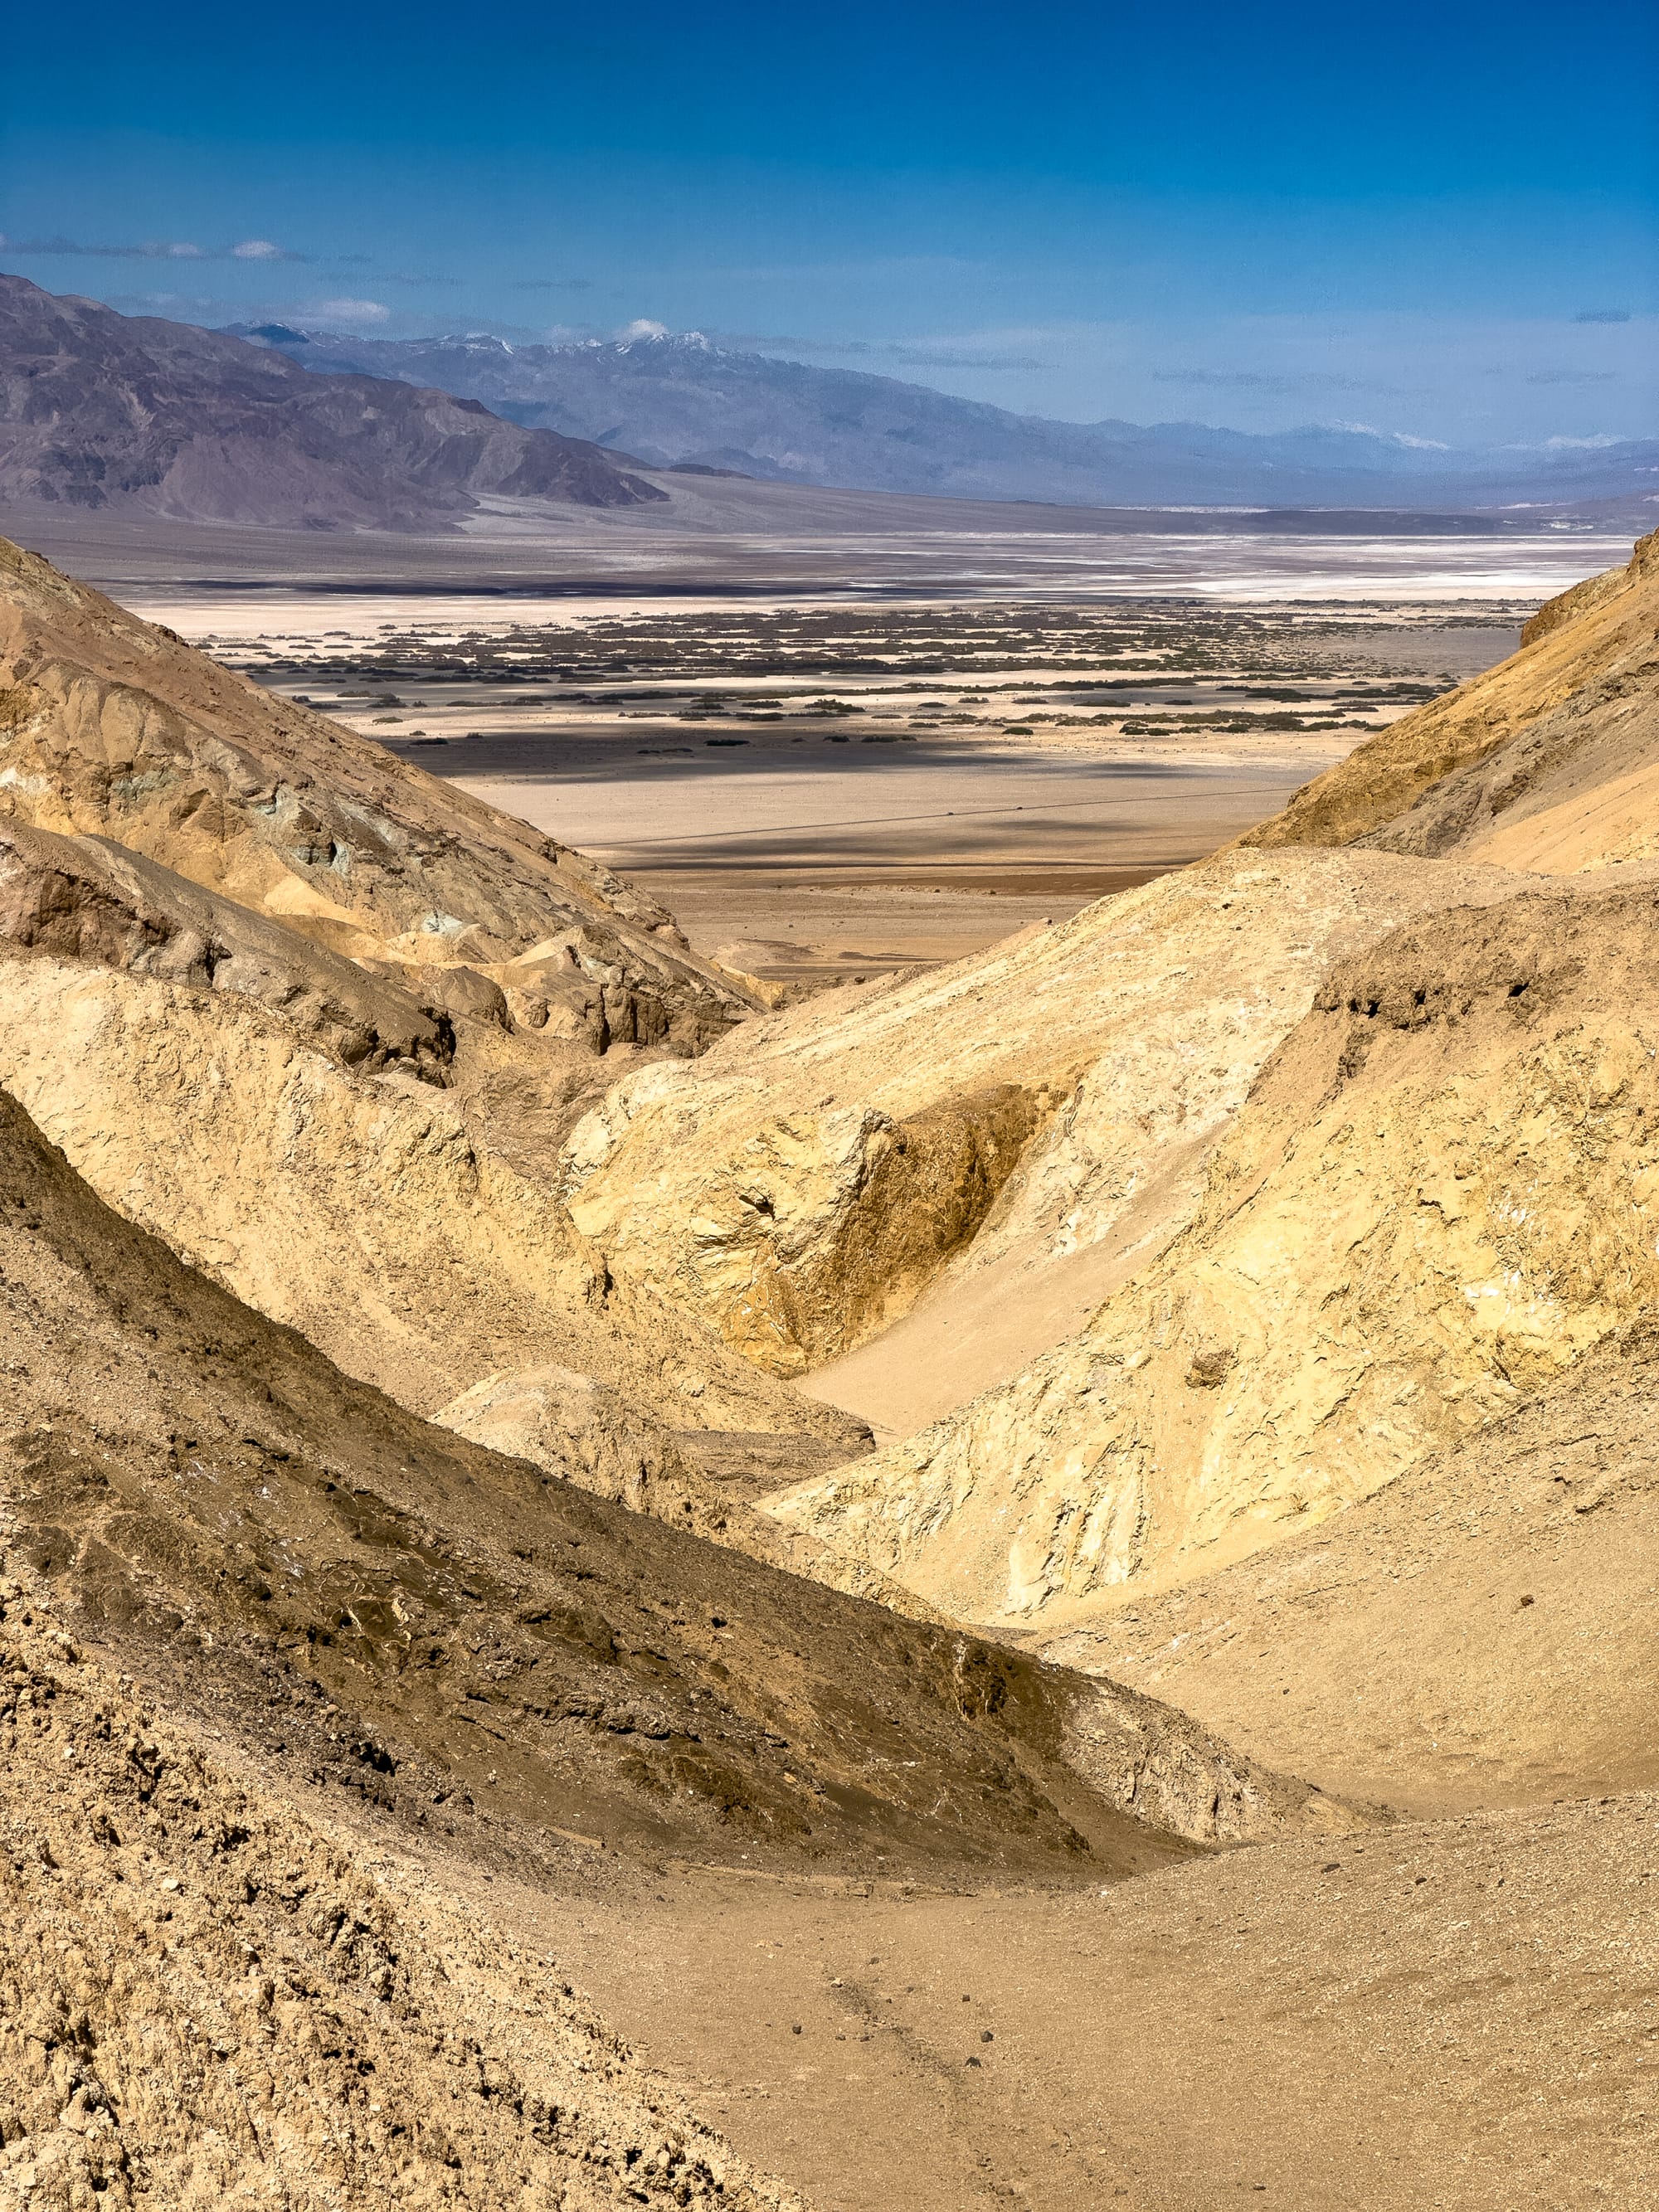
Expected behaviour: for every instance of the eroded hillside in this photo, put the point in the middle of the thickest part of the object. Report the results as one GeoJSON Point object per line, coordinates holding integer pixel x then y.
{"type": "Point", "coordinates": [1548, 762]}
{"type": "Point", "coordinates": [1010, 1132]}
{"type": "Point", "coordinates": [182, 1469]}
{"type": "Point", "coordinates": [112, 728]}
{"type": "Point", "coordinates": [202, 1987]}
{"type": "Point", "coordinates": [1439, 1194]}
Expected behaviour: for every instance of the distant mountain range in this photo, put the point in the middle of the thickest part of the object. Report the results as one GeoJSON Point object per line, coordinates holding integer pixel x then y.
{"type": "Point", "coordinates": [99, 410]}
{"type": "Point", "coordinates": [679, 401]}
{"type": "Point", "coordinates": [303, 429]}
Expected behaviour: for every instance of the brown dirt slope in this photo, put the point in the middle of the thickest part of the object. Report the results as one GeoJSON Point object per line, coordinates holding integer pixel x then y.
{"type": "Point", "coordinates": [1549, 762]}
{"type": "Point", "coordinates": [1477, 1633]}
{"type": "Point", "coordinates": [205, 1489]}
{"type": "Point", "coordinates": [132, 413]}
{"type": "Point", "coordinates": [112, 728]}
{"type": "Point", "coordinates": [208, 2002]}
{"type": "Point", "coordinates": [1441, 1194]}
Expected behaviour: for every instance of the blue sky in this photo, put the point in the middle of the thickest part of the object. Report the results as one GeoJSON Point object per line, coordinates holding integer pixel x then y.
{"type": "Point", "coordinates": [1440, 220]}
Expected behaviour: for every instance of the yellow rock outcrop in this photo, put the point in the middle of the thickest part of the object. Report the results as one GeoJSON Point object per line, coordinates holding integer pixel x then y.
{"type": "Point", "coordinates": [1444, 1188]}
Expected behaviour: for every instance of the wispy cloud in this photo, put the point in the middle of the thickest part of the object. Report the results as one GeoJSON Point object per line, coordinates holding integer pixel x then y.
{"type": "Point", "coordinates": [1602, 315]}
{"type": "Point", "coordinates": [1580, 444]}
{"type": "Point", "coordinates": [250, 249]}
{"type": "Point", "coordinates": [1395, 437]}
{"type": "Point", "coordinates": [945, 356]}
{"type": "Point", "coordinates": [171, 304]}
{"type": "Point", "coordinates": [1257, 380]}
{"type": "Point", "coordinates": [550, 284]}
{"type": "Point", "coordinates": [891, 352]}
{"type": "Point", "coordinates": [347, 314]}
{"type": "Point", "coordinates": [1572, 376]}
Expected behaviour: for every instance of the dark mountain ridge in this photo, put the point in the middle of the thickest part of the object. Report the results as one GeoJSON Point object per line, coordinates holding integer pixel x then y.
{"type": "Point", "coordinates": [133, 413]}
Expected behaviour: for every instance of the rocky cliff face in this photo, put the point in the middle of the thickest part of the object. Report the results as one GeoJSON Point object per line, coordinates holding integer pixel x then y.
{"type": "Point", "coordinates": [249, 968]}
{"type": "Point", "coordinates": [368, 1211]}
{"type": "Point", "coordinates": [1439, 1194]}
{"type": "Point", "coordinates": [88, 899]}
{"type": "Point", "coordinates": [136, 415]}
{"type": "Point", "coordinates": [112, 729]}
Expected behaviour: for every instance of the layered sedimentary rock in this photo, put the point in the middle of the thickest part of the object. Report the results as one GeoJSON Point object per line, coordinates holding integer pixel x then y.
{"type": "Point", "coordinates": [200, 1484]}
{"type": "Point", "coordinates": [112, 728]}
{"type": "Point", "coordinates": [364, 1209]}
{"type": "Point", "coordinates": [1440, 1193]}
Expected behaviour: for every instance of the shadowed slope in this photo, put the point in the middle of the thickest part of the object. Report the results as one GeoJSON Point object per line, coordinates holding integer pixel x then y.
{"type": "Point", "coordinates": [132, 413]}
{"type": "Point", "coordinates": [182, 1469]}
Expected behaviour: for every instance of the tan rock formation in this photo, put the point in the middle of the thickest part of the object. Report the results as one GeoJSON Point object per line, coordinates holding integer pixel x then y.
{"type": "Point", "coordinates": [113, 727]}
{"type": "Point", "coordinates": [210, 1493]}
{"type": "Point", "coordinates": [1440, 1193]}
{"type": "Point", "coordinates": [579, 1430]}
{"type": "Point", "coordinates": [209, 2003]}
{"type": "Point", "coordinates": [1015, 1130]}
{"type": "Point", "coordinates": [571, 1425]}
{"type": "Point", "coordinates": [795, 1233]}
{"type": "Point", "coordinates": [84, 898]}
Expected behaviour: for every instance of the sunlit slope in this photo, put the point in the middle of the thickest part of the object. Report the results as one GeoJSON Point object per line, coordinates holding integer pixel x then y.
{"type": "Point", "coordinates": [994, 1139]}
{"type": "Point", "coordinates": [368, 1211]}
{"type": "Point", "coordinates": [1546, 762]}
{"type": "Point", "coordinates": [1442, 1190]}
{"type": "Point", "coordinates": [1477, 1633]}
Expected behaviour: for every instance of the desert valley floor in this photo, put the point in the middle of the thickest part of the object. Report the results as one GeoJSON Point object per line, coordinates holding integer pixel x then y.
{"type": "Point", "coordinates": [921, 744]}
